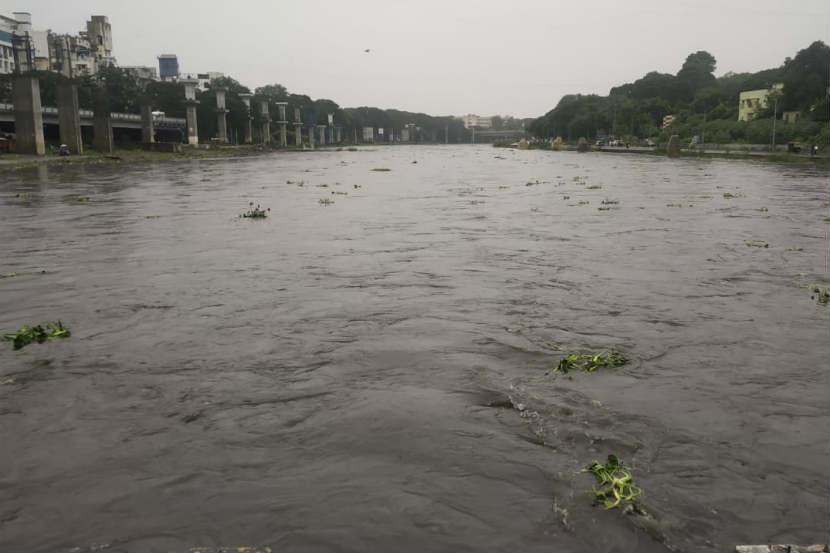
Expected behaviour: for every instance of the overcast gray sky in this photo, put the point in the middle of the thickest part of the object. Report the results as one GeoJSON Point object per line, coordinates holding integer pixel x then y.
{"type": "Point", "coordinates": [448, 56]}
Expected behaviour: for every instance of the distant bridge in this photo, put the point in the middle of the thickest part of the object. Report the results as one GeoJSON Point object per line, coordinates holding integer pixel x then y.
{"type": "Point", "coordinates": [119, 120]}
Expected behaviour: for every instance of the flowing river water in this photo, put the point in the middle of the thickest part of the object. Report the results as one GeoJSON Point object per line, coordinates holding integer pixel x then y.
{"type": "Point", "coordinates": [370, 375]}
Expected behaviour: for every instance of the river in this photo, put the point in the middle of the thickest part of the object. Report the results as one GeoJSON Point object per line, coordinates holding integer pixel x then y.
{"type": "Point", "coordinates": [370, 374]}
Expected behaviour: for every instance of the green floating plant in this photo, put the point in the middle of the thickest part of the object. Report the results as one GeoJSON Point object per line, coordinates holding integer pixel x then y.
{"type": "Point", "coordinates": [256, 212]}
{"type": "Point", "coordinates": [615, 483]}
{"type": "Point", "coordinates": [38, 333]}
{"type": "Point", "coordinates": [821, 295]}
{"type": "Point", "coordinates": [587, 362]}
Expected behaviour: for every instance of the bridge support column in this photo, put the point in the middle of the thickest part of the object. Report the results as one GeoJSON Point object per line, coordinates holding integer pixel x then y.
{"type": "Point", "coordinates": [322, 129]}
{"type": "Point", "coordinates": [283, 121]}
{"type": "Point", "coordinates": [28, 117]}
{"type": "Point", "coordinates": [101, 123]}
{"type": "Point", "coordinates": [191, 102]}
{"type": "Point", "coordinates": [311, 131]}
{"type": "Point", "coordinates": [221, 116]}
{"type": "Point", "coordinates": [298, 129]}
{"type": "Point", "coordinates": [249, 136]}
{"type": "Point", "coordinates": [266, 122]}
{"type": "Point", "coordinates": [69, 119]}
{"type": "Point", "coordinates": [147, 127]}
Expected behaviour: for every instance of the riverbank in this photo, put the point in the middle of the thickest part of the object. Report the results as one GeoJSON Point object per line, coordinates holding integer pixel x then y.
{"type": "Point", "coordinates": [18, 161]}
{"type": "Point", "coordinates": [777, 157]}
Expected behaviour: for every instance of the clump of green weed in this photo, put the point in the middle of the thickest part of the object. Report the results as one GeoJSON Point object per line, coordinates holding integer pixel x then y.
{"type": "Point", "coordinates": [593, 187]}
{"type": "Point", "coordinates": [606, 201]}
{"type": "Point", "coordinates": [584, 202]}
{"type": "Point", "coordinates": [615, 484]}
{"type": "Point", "coordinates": [821, 295]}
{"type": "Point", "coordinates": [38, 333]}
{"type": "Point", "coordinates": [8, 275]}
{"type": "Point", "coordinates": [587, 362]}
{"type": "Point", "coordinates": [21, 196]}
{"type": "Point", "coordinates": [381, 169]}
{"type": "Point", "coordinates": [325, 201]}
{"type": "Point", "coordinates": [756, 244]}
{"type": "Point", "coordinates": [255, 212]}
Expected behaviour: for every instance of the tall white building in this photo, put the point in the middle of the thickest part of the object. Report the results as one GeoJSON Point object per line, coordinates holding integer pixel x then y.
{"type": "Point", "coordinates": [472, 120]}
{"type": "Point", "coordinates": [42, 50]}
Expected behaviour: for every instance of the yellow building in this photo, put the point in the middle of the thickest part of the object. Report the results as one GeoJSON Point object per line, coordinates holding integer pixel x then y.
{"type": "Point", "coordinates": [752, 101]}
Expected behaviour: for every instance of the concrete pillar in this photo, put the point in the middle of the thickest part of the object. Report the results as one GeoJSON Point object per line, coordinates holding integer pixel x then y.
{"type": "Point", "coordinates": [311, 131]}
{"type": "Point", "coordinates": [246, 99]}
{"type": "Point", "coordinates": [147, 127]}
{"type": "Point", "coordinates": [283, 122]}
{"type": "Point", "coordinates": [221, 116]}
{"type": "Point", "coordinates": [28, 117]}
{"type": "Point", "coordinates": [266, 122]}
{"type": "Point", "coordinates": [322, 129]}
{"type": "Point", "coordinates": [102, 140]}
{"type": "Point", "coordinates": [673, 147]}
{"type": "Point", "coordinates": [298, 128]}
{"type": "Point", "coordinates": [191, 102]}
{"type": "Point", "coordinates": [69, 118]}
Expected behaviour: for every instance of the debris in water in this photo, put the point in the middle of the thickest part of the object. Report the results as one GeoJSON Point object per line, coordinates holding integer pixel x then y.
{"type": "Point", "coordinates": [256, 212]}
{"type": "Point", "coordinates": [8, 275]}
{"type": "Point", "coordinates": [381, 169]}
{"type": "Point", "coordinates": [587, 362]}
{"type": "Point", "coordinates": [756, 244]}
{"type": "Point", "coordinates": [325, 201]}
{"type": "Point", "coordinates": [615, 483]}
{"type": "Point", "coordinates": [821, 295]}
{"type": "Point", "coordinates": [38, 333]}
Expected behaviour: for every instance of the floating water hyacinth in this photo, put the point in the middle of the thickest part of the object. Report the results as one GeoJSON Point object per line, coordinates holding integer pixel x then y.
{"type": "Point", "coordinates": [615, 483]}
{"type": "Point", "coordinates": [821, 295]}
{"type": "Point", "coordinates": [587, 362]}
{"type": "Point", "coordinates": [256, 212]}
{"type": "Point", "coordinates": [38, 333]}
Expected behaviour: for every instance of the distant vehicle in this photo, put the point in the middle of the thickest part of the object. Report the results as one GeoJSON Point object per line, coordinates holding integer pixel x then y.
{"type": "Point", "coordinates": [650, 143]}
{"type": "Point", "coordinates": [794, 147]}
{"type": "Point", "coordinates": [599, 143]}
{"type": "Point", "coordinates": [64, 150]}
{"type": "Point", "coordinates": [615, 142]}
{"type": "Point", "coordinates": [158, 114]}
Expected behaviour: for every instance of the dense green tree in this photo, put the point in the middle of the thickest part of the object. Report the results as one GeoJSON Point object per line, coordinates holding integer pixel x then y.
{"type": "Point", "coordinates": [806, 77]}
{"type": "Point", "coordinates": [697, 72]}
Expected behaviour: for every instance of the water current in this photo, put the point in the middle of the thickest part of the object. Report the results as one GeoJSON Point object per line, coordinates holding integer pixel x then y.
{"type": "Point", "coordinates": [370, 374]}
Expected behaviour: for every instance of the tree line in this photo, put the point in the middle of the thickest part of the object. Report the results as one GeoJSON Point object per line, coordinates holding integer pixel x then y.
{"type": "Point", "coordinates": [703, 105]}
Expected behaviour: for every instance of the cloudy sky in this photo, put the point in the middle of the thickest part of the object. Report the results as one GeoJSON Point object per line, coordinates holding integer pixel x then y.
{"type": "Point", "coordinates": [448, 56]}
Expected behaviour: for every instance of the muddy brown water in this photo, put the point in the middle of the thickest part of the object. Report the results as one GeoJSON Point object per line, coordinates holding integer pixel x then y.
{"type": "Point", "coordinates": [370, 375]}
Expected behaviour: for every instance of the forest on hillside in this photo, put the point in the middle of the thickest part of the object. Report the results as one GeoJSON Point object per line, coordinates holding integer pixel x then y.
{"type": "Point", "coordinates": [703, 105]}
